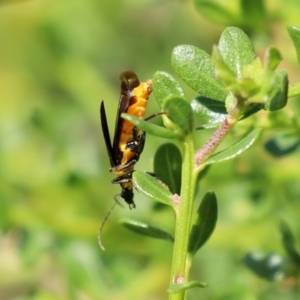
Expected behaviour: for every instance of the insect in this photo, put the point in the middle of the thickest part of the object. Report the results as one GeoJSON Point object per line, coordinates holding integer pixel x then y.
{"type": "Point", "coordinates": [128, 142]}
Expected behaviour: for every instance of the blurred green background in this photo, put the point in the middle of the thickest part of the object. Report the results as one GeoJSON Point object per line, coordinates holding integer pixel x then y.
{"type": "Point", "coordinates": [58, 60]}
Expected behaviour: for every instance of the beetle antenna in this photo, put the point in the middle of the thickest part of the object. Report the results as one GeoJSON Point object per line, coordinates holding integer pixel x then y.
{"type": "Point", "coordinates": [103, 223]}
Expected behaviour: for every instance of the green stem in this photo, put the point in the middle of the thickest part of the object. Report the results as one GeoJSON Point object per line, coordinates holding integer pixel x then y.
{"type": "Point", "coordinates": [190, 167]}
{"type": "Point", "coordinates": [179, 272]}
{"type": "Point", "coordinates": [213, 143]}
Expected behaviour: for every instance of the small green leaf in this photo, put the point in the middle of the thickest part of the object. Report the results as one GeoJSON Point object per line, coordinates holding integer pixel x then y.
{"type": "Point", "coordinates": [236, 49]}
{"type": "Point", "coordinates": [165, 85]}
{"type": "Point", "coordinates": [279, 92]}
{"type": "Point", "coordinates": [146, 230]}
{"type": "Point", "coordinates": [252, 80]}
{"type": "Point", "coordinates": [175, 288]}
{"type": "Point", "coordinates": [167, 165]}
{"type": "Point", "coordinates": [210, 112]}
{"type": "Point", "coordinates": [272, 59]}
{"type": "Point", "coordinates": [215, 12]}
{"type": "Point", "coordinates": [151, 128]}
{"type": "Point", "coordinates": [235, 150]}
{"type": "Point", "coordinates": [251, 109]}
{"type": "Point", "coordinates": [282, 145]}
{"type": "Point", "coordinates": [152, 187]}
{"type": "Point", "coordinates": [223, 71]}
{"type": "Point", "coordinates": [211, 104]}
{"type": "Point", "coordinates": [254, 70]}
{"type": "Point", "coordinates": [269, 267]}
{"type": "Point", "coordinates": [207, 216]}
{"type": "Point", "coordinates": [294, 33]}
{"type": "Point", "coordinates": [288, 242]}
{"type": "Point", "coordinates": [180, 113]}
{"type": "Point", "coordinates": [194, 66]}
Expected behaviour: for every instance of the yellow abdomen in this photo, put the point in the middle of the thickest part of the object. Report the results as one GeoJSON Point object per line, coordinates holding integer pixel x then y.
{"type": "Point", "coordinates": [137, 108]}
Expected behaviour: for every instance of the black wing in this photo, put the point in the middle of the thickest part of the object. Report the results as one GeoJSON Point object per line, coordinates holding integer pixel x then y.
{"type": "Point", "coordinates": [129, 81]}
{"type": "Point", "coordinates": [106, 136]}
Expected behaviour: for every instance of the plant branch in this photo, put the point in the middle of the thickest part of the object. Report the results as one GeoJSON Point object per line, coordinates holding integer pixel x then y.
{"type": "Point", "coordinates": [179, 273]}
{"type": "Point", "coordinates": [212, 144]}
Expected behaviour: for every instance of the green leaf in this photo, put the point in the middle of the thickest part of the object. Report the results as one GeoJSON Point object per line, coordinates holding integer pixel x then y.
{"type": "Point", "coordinates": [180, 113]}
{"type": "Point", "coordinates": [165, 85]}
{"type": "Point", "coordinates": [152, 187]}
{"type": "Point", "coordinates": [235, 150]}
{"type": "Point", "coordinates": [146, 230]}
{"type": "Point", "coordinates": [272, 59]}
{"type": "Point", "coordinates": [175, 288]}
{"type": "Point", "coordinates": [279, 92]}
{"type": "Point", "coordinates": [269, 267]}
{"type": "Point", "coordinates": [167, 165]}
{"type": "Point", "coordinates": [151, 128]}
{"type": "Point", "coordinates": [207, 216]}
{"type": "Point", "coordinates": [194, 66]}
{"type": "Point", "coordinates": [294, 33]}
{"type": "Point", "coordinates": [210, 112]}
{"type": "Point", "coordinates": [215, 12]}
{"type": "Point", "coordinates": [288, 242]}
{"type": "Point", "coordinates": [251, 109]}
{"type": "Point", "coordinates": [210, 104]}
{"type": "Point", "coordinates": [251, 84]}
{"type": "Point", "coordinates": [223, 71]}
{"type": "Point", "coordinates": [236, 49]}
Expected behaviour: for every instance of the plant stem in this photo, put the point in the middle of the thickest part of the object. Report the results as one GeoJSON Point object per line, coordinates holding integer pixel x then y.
{"type": "Point", "coordinates": [190, 167]}
{"type": "Point", "coordinates": [179, 272]}
{"type": "Point", "coordinates": [212, 144]}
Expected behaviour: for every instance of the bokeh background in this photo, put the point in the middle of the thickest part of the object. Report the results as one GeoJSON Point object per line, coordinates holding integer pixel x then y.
{"type": "Point", "coordinates": [58, 60]}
